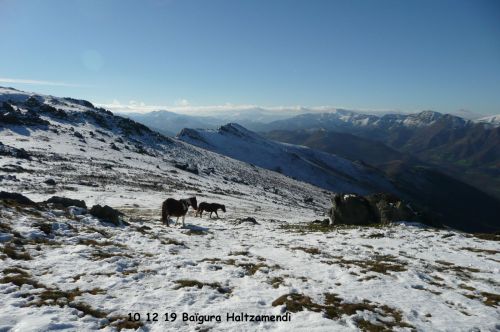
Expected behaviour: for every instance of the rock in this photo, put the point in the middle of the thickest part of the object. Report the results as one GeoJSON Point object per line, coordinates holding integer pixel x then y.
{"type": "Point", "coordinates": [187, 167]}
{"type": "Point", "coordinates": [78, 135]}
{"type": "Point", "coordinates": [15, 197]}
{"type": "Point", "coordinates": [8, 177]}
{"type": "Point", "coordinates": [389, 208]}
{"type": "Point", "coordinates": [351, 209]}
{"type": "Point", "coordinates": [9, 115]}
{"type": "Point", "coordinates": [107, 213]}
{"type": "Point", "coordinates": [66, 202]}
{"type": "Point", "coordinates": [246, 220]}
{"type": "Point", "coordinates": [32, 101]}
{"type": "Point", "coordinates": [114, 147]}
{"type": "Point", "coordinates": [324, 222]}
{"type": "Point", "coordinates": [6, 150]}
{"type": "Point", "coordinates": [50, 182]}
{"type": "Point", "coordinates": [384, 208]}
{"type": "Point", "coordinates": [308, 200]}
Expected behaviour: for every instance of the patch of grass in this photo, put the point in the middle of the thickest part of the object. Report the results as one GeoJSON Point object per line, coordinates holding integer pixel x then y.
{"type": "Point", "coordinates": [44, 227]}
{"type": "Point", "coordinates": [78, 276]}
{"type": "Point", "coordinates": [312, 251]}
{"type": "Point", "coordinates": [181, 283]}
{"type": "Point", "coordinates": [486, 251]}
{"type": "Point", "coordinates": [96, 230]}
{"type": "Point", "coordinates": [469, 288]}
{"type": "Point", "coordinates": [461, 271]}
{"type": "Point", "coordinates": [94, 243]}
{"type": "Point", "coordinates": [307, 228]}
{"type": "Point", "coordinates": [20, 278]}
{"type": "Point", "coordinates": [276, 282]}
{"type": "Point", "coordinates": [444, 263]}
{"type": "Point", "coordinates": [167, 241]}
{"type": "Point", "coordinates": [323, 228]}
{"type": "Point", "coordinates": [122, 323]}
{"type": "Point", "coordinates": [15, 270]}
{"type": "Point", "coordinates": [99, 254]}
{"type": "Point", "coordinates": [490, 299]}
{"type": "Point", "coordinates": [487, 237]}
{"type": "Point", "coordinates": [5, 228]}
{"type": "Point", "coordinates": [230, 261]}
{"type": "Point", "coordinates": [387, 318]}
{"type": "Point", "coordinates": [379, 263]}
{"type": "Point", "coordinates": [297, 302]}
{"type": "Point", "coordinates": [252, 268]}
{"type": "Point", "coordinates": [51, 296]}
{"type": "Point", "coordinates": [88, 310]}
{"type": "Point", "coordinates": [143, 229]}
{"type": "Point", "coordinates": [239, 253]}
{"type": "Point", "coordinates": [11, 252]}
{"type": "Point", "coordinates": [249, 267]}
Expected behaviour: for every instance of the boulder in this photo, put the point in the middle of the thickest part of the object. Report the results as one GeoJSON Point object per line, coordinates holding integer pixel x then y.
{"type": "Point", "coordinates": [15, 197]}
{"type": "Point", "coordinates": [384, 208]}
{"type": "Point", "coordinates": [187, 167]}
{"type": "Point", "coordinates": [351, 209]}
{"type": "Point", "coordinates": [50, 182]}
{"type": "Point", "coordinates": [107, 213]}
{"type": "Point", "coordinates": [6, 150]}
{"type": "Point", "coordinates": [389, 208]}
{"type": "Point", "coordinates": [248, 220]}
{"type": "Point", "coordinates": [66, 202]}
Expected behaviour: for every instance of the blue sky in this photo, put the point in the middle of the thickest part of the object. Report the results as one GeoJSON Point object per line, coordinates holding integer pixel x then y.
{"type": "Point", "coordinates": [399, 55]}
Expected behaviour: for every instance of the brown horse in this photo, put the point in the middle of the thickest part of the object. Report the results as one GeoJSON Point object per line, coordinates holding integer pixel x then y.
{"type": "Point", "coordinates": [210, 207]}
{"type": "Point", "coordinates": [177, 208]}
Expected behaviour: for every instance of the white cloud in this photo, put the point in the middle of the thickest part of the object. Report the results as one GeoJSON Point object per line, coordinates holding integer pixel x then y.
{"type": "Point", "coordinates": [182, 102]}
{"type": "Point", "coordinates": [36, 82]}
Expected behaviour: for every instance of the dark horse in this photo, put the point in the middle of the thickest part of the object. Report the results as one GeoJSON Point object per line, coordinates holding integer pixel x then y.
{"type": "Point", "coordinates": [177, 208]}
{"type": "Point", "coordinates": [210, 207]}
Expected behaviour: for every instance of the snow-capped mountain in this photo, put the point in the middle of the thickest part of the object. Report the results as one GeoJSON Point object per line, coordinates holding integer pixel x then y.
{"type": "Point", "coordinates": [62, 268]}
{"type": "Point", "coordinates": [493, 120]}
{"type": "Point", "coordinates": [349, 121]}
{"type": "Point", "coordinates": [321, 169]}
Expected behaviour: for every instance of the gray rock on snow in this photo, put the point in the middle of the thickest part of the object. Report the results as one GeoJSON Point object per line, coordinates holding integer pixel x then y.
{"type": "Point", "coordinates": [354, 209]}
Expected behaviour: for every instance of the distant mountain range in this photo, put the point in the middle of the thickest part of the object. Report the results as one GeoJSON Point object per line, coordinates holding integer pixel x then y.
{"type": "Point", "coordinates": [465, 149]}
{"type": "Point", "coordinates": [461, 148]}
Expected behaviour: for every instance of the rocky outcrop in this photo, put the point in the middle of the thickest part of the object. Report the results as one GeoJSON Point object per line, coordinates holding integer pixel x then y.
{"type": "Point", "coordinates": [389, 208]}
{"type": "Point", "coordinates": [66, 202]}
{"type": "Point", "coordinates": [10, 151]}
{"type": "Point", "coordinates": [107, 213]}
{"type": "Point", "coordinates": [12, 116]}
{"type": "Point", "coordinates": [353, 209]}
{"type": "Point", "coordinates": [17, 198]}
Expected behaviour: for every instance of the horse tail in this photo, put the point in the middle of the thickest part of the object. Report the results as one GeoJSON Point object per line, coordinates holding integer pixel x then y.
{"type": "Point", "coordinates": [164, 212]}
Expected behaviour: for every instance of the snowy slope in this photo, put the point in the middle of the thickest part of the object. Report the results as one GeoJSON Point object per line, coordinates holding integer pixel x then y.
{"type": "Point", "coordinates": [321, 169]}
{"type": "Point", "coordinates": [62, 269]}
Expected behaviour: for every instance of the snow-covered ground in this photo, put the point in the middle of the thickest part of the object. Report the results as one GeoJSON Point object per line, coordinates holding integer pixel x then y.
{"type": "Point", "coordinates": [63, 269]}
